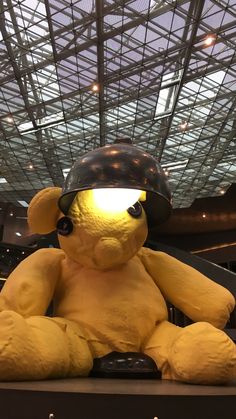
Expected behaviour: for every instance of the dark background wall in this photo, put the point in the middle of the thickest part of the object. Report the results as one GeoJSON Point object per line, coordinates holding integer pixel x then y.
{"type": "Point", "coordinates": [207, 228]}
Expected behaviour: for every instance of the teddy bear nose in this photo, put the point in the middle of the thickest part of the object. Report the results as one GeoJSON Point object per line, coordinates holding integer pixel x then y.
{"type": "Point", "coordinates": [107, 251]}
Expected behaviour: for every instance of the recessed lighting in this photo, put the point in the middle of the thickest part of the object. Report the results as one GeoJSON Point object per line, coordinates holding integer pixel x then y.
{"type": "Point", "coordinates": [11, 214]}
{"type": "Point", "coordinates": [3, 180]}
{"type": "Point", "coordinates": [209, 40]}
{"type": "Point", "coordinates": [65, 171]}
{"type": "Point", "coordinates": [8, 250]}
{"type": "Point", "coordinates": [183, 125]}
{"type": "Point", "coordinates": [95, 87]}
{"type": "Point", "coordinates": [9, 119]}
{"type": "Point", "coordinates": [204, 215]}
{"type": "Point", "coordinates": [18, 234]}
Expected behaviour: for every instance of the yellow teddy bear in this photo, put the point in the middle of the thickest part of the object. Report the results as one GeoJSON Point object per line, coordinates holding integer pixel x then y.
{"type": "Point", "coordinates": [109, 293]}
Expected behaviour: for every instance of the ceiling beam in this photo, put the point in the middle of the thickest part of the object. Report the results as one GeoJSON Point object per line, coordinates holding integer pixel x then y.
{"type": "Point", "coordinates": [66, 53]}
{"type": "Point", "coordinates": [197, 8]}
{"type": "Point", "coordinates": [100, 69]}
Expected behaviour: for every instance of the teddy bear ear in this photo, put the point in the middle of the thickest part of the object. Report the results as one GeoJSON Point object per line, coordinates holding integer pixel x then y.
{"type": "Point", "coordinates": [43, 211]}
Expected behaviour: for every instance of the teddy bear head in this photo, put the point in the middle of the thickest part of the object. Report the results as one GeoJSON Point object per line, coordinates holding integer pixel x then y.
{"type": "Point", "coordinates": [100, 214]}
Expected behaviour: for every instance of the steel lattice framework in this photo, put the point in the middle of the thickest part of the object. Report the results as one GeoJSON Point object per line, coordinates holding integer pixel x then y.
{"type": "Point", "coordinates": [160, 80]}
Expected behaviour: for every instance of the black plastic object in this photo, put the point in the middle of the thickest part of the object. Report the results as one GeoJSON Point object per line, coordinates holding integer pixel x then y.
{"type": "Point", "coordinates": [64, 226]}
{"type": "Point", "coordinates": [135, 210]}
{"type": "Point", "coordinates": [120, 166]}
{"type": "Point", "coordinates": [125, 365]}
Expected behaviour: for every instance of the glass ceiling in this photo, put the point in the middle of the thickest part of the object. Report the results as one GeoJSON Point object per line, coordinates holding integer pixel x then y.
{"type": "Point", "coordinates": [165, 73]}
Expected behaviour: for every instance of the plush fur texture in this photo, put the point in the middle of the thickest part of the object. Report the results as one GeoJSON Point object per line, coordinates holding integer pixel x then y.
{"type": "Point", "coordinates": [109, 294]}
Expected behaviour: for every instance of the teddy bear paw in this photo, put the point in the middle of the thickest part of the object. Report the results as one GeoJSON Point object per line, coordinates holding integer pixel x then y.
{"type": "Point", "coordinates": [203, 354]}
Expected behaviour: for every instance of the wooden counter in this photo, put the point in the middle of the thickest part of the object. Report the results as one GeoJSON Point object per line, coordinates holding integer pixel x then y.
{"type": "Point", "coordinates": [90, 398]}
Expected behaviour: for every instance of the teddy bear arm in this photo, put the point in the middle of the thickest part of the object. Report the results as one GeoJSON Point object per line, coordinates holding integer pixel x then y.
{"type": "Point", "coordinates": [198, 297]}
{"type": "Point", "coordinates": [30, 287]}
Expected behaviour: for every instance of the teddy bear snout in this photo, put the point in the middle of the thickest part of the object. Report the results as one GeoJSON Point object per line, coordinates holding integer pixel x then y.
{"type": "Point", "coordinates": [108, 252]}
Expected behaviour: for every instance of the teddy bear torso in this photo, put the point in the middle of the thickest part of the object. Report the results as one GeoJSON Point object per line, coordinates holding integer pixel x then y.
{"type": "Point", "coordinates": [118, 307]}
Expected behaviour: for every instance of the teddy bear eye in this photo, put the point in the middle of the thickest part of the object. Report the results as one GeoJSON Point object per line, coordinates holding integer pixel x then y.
{"type": "Point", "coordinates": [135, 210]}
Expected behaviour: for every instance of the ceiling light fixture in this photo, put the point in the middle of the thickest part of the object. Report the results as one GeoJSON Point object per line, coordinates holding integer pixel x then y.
{"type": "Point", "coordinates": [183, 125]}
{"type": "Point", "coordinates": [209, 40]}
{"type": "Point", "coordinates": [95, 87]}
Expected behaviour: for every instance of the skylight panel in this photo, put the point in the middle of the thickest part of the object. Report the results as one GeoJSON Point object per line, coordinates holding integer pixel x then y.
{"type": "Point", "coordinates": [168, 94]}
{"type": "Point", "coordinates": [157, 4]}
{"type": "Point", "coordinates": [216, 77]}
{"type": "Point", "coordinates": [46, 80]}
{"type": "Point", "coordinates": [180, 164]}
{"type": "Point", "coordinates": [193, 86]}
{"type": "Point", "coordinates": [53, 118]}
{"type": "Point", "coordinates": [164, 104]}
{"type": "Point", "coordinates": [201, 112]}
{"type": "Point", "coordinates": [42, 123]}
{"type": "Point", "coordinates": [26, 126]}
{"type": "Point", "coordinates": [203, 88]}
{"type": "Point", "coordinates": [126, 111]}
{"type": "Point", "coordinates": [23, 203]}
{"type": "Point", "coordinates": [207, 86]}
{"type": "Point", "coordinates": [33, 21]}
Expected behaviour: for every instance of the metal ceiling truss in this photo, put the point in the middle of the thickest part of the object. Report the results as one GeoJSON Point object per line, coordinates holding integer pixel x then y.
{"type": "Point", "coordinates": [159, 82]}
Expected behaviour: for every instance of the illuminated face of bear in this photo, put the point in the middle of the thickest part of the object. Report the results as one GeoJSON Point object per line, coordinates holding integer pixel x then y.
{"type": "Point", "coordinates": [105, 234]}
